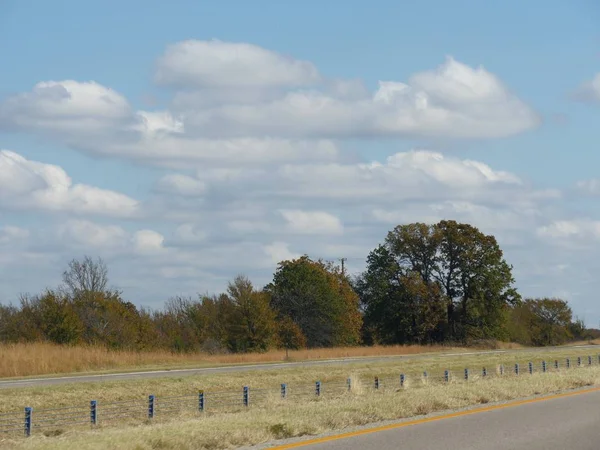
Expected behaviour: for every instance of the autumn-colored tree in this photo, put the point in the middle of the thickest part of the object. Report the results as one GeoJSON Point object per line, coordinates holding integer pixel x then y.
{"type": "Point", "coordinates": [290, 335]}
{"type": "Point", "coordinates": [319, 299]}
{"type": "Point", "coordinates": [252, 325]}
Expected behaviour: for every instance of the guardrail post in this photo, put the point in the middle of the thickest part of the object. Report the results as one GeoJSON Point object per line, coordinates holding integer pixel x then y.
{"type": "Point", "coordinates": [530, 368]}
{"type": "Point", "coordinates": [28, 412]}
{"type": "Point", "coordinates": [466, 374]}
{"type": "Point", "coordinates": [200, 400]}
{"type": "Point", "coordinates": [283, 390]}
{"type": "Point", "coordinates": [246, 395]}
{"type": "Point", "coordinates": [93, 412]}
{"type": "Point", "coordinates": [484, 372]}
{"type": "Point", "coordinates": [568, 363]}
{"type": "Point", "coordinates": [501, 369]}
{"type": "Point", "coordinates": [589, 360]}
{"type": "Point", "coordinates": [349, 384]}
{"type": "Point", "coordinates": [598, 359]}
{"type": "Point", "coordinates": [578, 361]}
{"type": "Point", "coordinates": [425, 376]}
{"type": "Point", "coordinates": [402, 379]}
{"type": "Point", "coordinates": [544, 366]}
{"type": "Point", "coordinates": [556, 364]}
{"type": "Point", "coordinates": [318, 388]}
{"type": "Point", "coordinates": [150, 406]}
{"type": "Point", "coordinates": [517, 368]}
{"type": "Point", "coordinates": [446, 376]}
{"type": "Point", "coordinates": [376, 382]}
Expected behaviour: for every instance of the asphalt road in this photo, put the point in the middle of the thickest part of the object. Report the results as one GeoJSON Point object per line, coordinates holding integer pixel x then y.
{"type": "Point", "coordinates": [95, 378]}
{"type": "Point", "coordinates": [571, 422]}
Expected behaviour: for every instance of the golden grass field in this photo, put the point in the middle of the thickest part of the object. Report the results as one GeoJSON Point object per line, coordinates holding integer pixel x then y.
{"type": "Point", "coordinates": [21, 360]}
{"type": "Point", "coordinates": [277, 418]}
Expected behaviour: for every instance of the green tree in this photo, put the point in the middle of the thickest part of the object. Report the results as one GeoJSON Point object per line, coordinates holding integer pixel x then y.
{"type": "Point", "coordinates": [319, 299]}
{"type": "Point", "coordinates": [458, 265]}
{"type": "Point", "coordinates": [399, 307]}
{"type": "Point", "coordinates": [551, 319]}
{"type": "Point", "coordinates": [60, 322]}
{"type": "Point", "coordinates": [252, 325]}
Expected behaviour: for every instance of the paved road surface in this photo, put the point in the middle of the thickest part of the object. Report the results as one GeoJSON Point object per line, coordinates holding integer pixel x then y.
{"type": "Point", "coordinates": [566, 423]}
{"type": "Point", "coordinates": [35, 382]}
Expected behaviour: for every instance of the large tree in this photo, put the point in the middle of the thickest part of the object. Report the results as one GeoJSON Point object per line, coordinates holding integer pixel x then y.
{"type": "Point", "coordinates": [252, 326]}
{"type": "Point", "coordinates": [399, 307]}
{"type": "Point", "coordinates": [319, 299]}
{"type": "Point", "coordinates": [459, 267]}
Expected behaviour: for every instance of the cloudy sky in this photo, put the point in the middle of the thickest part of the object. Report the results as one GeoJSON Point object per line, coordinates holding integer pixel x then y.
{"type": "Point", "coordinates": [185, 142]}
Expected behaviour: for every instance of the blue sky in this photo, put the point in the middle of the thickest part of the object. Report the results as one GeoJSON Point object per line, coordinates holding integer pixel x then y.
{"type": "Point", "coordinates": [188, 165]}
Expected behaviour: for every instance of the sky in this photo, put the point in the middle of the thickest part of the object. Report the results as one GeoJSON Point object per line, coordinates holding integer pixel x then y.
{"type": "Point", "coordinates": [187, 142]}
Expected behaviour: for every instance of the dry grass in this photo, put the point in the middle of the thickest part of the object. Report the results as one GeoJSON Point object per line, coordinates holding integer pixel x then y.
{"type": "Point", "coordinates": [22, 360]}
{"type": "Point", "coordinates": [111, 391]}
{"type": "Point", "coordinates": [280, 418]}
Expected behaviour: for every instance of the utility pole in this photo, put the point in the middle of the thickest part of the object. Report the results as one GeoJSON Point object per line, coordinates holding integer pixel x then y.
{"type": "Point", "coordinates": [343, 260]}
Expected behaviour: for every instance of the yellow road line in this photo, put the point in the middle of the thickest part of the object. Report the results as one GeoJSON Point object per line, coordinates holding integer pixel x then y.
{"type": "Point", "coordinates": [431, 419]}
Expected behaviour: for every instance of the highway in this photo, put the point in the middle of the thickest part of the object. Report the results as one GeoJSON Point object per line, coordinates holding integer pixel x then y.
{"type": "Point", "coordinates": [571, 421]}
{"type": "Point", "coordinates": [95, 378]}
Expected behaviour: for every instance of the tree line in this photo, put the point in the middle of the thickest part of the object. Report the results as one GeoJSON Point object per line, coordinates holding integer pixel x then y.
{"type": "Point", "coordinates": [424, 284]}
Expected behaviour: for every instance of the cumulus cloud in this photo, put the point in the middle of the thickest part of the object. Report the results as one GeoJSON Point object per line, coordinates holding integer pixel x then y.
{"type": "Point", "coordinates": [454, 100]}
{"type": "Point", "coordinates": [237, 103]}
{"type": "Point", "coordinates": [589, 187]}
{"type": "Point", "coordinates": [279, 251]}
{"type": "Point", "coordinates": [181, 185]}
{"type": "Point", "coordinates": [148, 242]}
{"type": "Point", "coordinates": [62, 106]}
{"type": "Point", "coordinates": [90, 235]}
{"type": "Point", "coordinates": [411, 175]}
{"type": "Point", "coordinates": [574, 229]}
{"type": "Point", "coordinates": [216, 63]}
{"type": "Point", "coordinates": [312, 222]}
{"type": "Point", "coordinates": [590, 90]}
{"type": "Point", "coordinates": [26, 184]}
{"type": "Point", "coordinates": [11, 234]}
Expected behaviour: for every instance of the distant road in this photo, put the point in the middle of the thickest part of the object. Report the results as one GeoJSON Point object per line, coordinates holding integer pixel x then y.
{"type": "Point", "coordinates": [558, 423]}
{"type": "Point", "coordinates": [95, 378]}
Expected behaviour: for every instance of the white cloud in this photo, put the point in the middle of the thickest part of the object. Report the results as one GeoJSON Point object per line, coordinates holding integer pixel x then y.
{"type": "Point", "coordinates": [407, 175]}
{"type": "Point", "coordinates": [312, 222]}
{"type": "Point", "coordinates": [189, 233]}
{"type": "Point", "coordinates": [569, 228]}
{"type": "Point", "coordinates": [61, 106]}
{"type": "Point", "coordinates": [249, 226]}
{"type": "Point", "coordinates": [249, 105]}
{"type": "Point", "coordinates": [454, 100]}
{"type": "Point", "coordinates": [582, 234]}
{"type": "Point", "coordinates": [148, 242]}
{"type": "Point", "coordinates": [181, 185]}
{"type": "Point", "coordinates": [589, 187]}
{"type": "Point", "coordinates": [11, 234]}
{"type": "Point", "coordinates": [86, 234]}
{"type": "Point", "coordinates": [216, 63]}
{"type": "Point", "coordinates": [590, 90]}
{"type": "Point", "coordinates": [26, 184]}
{"type": "Point", "coordinates": [279, 251]}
